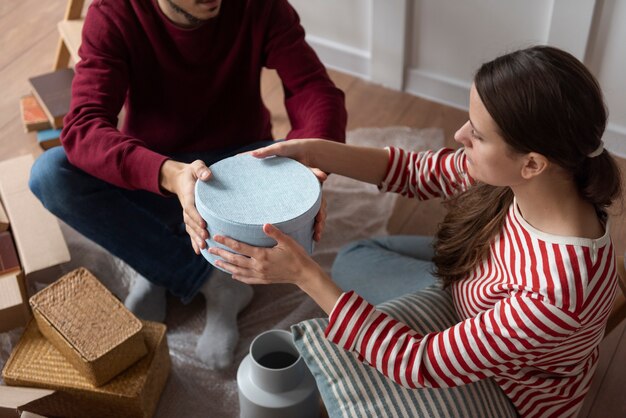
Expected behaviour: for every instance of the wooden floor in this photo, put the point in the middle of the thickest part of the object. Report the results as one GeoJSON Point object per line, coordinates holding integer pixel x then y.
{"type": "Point", "coordinates": [27, 47]}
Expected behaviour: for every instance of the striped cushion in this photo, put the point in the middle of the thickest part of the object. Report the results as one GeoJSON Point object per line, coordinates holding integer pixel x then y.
{"type": "Point", "coordinates": [351, 388]}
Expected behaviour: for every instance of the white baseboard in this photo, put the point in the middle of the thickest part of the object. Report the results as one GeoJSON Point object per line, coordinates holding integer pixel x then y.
{"type": "Point", "coordinates": [343, 58]}
{"type": "Point", "coordinates": [615, 139]}
{"type": "Point", "coordinates": [437, 88]}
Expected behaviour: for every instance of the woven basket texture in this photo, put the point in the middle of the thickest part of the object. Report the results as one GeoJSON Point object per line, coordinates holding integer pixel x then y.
{"type": "Point", "coordinates": [35, 362]}
{"type": "Point", "coordinates": [86, 314]}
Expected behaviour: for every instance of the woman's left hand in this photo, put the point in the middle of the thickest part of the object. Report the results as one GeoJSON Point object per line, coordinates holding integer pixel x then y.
{"type": "Point", "coordinates": [299, 150]}
{"type": "Point", "coordinates": [286, 262]}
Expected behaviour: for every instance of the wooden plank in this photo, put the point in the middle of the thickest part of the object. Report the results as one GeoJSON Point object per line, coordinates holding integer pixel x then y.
{"type": "Point", "coordinates": [273, 97]}
{"type": "Point", "coordinates": [606, 395]}
{"type": "Point", "coordinates": [424, 114]}
{"type": "Point", "coordinates": [370, 105]}
{"type": "Point", "coordinates": [73, 9]}
{"type": "Point", "coordinates": [8, 6]}
{"type": "Point", "coordinates": [618, 220]}
{"type": "Point", "coordinates": [15, 142]}
{"type": "Point", "coordinates": [618, 313]}
{"type": "Point", "coordinates": [15, 75]}
{"type": "Point", "coordinates": [63, 56]}
{"type": "Point", "coordinates": [22, 28]}
{"type": "Point", "coordinates": [70, 35]}
{"type": "Point", "coordinates": [70, 32]}
{"type": "Point", "coordinates": [269, 82]}
{"type": "Point", "coordinates": [343, 81]}
{"type": "Point", "coordinates": [14, 7]}
{"type": "Point", "coordinates": [608, 348]}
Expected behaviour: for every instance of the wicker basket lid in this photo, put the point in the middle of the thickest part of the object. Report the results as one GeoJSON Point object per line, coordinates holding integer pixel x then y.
{"type": "Point", "coordinates": [86, 314]}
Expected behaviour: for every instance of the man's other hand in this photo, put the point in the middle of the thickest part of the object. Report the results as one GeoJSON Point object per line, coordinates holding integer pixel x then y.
{"type": "Point", "coordinates": [180, 179]}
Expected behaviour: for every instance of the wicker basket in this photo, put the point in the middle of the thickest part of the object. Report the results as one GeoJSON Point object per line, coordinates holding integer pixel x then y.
{"type": "Point", "coordinates": [89, 326]}
{"type": "Point", "coordinates": [35, 362]}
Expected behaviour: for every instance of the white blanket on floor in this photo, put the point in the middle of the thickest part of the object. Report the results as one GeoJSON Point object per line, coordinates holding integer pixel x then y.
{"type": "Point", "coordinates": [355, 211]}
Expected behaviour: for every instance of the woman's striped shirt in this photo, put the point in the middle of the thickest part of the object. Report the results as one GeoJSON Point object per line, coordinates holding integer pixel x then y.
{"type": "Point", "coordinates": [533, 312]}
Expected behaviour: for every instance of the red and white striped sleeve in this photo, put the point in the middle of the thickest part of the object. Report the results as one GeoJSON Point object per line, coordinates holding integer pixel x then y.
{"type": "Point", "coordinates": [426, 174]}
{"type": "Point", "coordinates": [512, 334]}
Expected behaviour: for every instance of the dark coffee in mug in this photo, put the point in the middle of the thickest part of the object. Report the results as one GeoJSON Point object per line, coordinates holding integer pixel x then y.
{"type": "Point", "coordinates": [277, 360]}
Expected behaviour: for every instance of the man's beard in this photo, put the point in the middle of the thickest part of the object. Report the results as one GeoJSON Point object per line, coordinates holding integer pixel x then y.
{"type": "Point", "coordinates": [194, 21]}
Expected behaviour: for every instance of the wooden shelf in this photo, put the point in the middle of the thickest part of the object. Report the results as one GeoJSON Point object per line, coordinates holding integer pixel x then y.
{"type": "Point", "coordinates": [70, 31]}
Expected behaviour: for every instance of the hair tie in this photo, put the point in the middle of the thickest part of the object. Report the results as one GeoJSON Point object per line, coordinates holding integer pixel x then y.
{"type": "Point", "coordinates": [597, 151]}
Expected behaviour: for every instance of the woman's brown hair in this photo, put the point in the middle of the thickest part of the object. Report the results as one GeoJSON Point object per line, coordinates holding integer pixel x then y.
{"type": "Point", "coordinates": [543, 100]}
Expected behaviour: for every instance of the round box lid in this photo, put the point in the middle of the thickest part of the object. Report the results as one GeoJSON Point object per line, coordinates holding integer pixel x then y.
{"type": "Point", "coordinates": [245, 191]}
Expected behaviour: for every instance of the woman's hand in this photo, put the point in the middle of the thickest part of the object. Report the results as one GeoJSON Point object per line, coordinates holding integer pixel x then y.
{"type": "Point", "coordinates": [300, 150]}
{"type": "Point", "coordinates": [180, 179]}
{"type": "Point", "coordinates": [297, 149]}
{"type": "Point", "coordinates": [286, 262]}
{"type": "Point", "coordinates": [360, 163]}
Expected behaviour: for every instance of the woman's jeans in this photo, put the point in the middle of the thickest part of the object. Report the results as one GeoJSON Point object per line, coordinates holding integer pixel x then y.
{"type": "Point", "coordinates": [382, 268]}
{"type": "Point", "coordinates": [142, 228]}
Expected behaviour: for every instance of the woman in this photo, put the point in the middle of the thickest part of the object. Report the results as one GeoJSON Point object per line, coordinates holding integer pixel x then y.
{"type": "Point", "coordinates": [525, 248]}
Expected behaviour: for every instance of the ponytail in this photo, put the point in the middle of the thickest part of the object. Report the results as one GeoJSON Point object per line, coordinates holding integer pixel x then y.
{"type": "Point", "coordinates": [598, 180]}
{"type": "Point", "coordinates": [542, 100]}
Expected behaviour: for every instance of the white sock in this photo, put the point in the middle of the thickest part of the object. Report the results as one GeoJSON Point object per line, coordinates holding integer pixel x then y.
{"type": "Point", "coordinates": [225, 298]}
{"type": "Point", "coordinates": [146, 300]}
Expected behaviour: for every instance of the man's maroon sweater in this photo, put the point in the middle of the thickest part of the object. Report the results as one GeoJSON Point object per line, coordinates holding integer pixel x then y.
{"type": "Point", "coordinates": [188, 90]}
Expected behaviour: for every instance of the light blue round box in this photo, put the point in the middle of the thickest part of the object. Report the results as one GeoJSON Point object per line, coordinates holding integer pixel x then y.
{"type": "Point", "coordinates": [245, 192]}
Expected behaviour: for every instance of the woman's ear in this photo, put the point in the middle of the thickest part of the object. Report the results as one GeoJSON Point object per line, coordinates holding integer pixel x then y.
{"type": "Point", "coordinates": [534, 164]}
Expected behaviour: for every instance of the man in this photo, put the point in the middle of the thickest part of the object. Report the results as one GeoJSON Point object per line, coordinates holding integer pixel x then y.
{"type": "Point", "coordinates": [188, 73]}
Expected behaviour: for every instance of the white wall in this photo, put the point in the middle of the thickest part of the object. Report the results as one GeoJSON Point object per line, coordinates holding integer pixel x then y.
{"type": "Point", "coordinates": [452, 38]}
{"type": "Point", "coordinates": [606, 58]}
{"type": "Point", "coordinates": [339, 31]}
{"type": "Point", "coordinates": [344, 22]}
{"type": "Point", "coordinates": [446, 40]}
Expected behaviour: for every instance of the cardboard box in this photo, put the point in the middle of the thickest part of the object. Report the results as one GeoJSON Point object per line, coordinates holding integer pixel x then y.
{"type": "Point", "coordinates": [4, 219]}
{"type": "Point", "coordinates": [54, 92]}
{"type": "Point", "coordinates": [36, 232]}
{"type": "Point", "coordinates": [14, 399]}
{"type": "Point", "coordinates": [27, 414]}
{"type": "Point", "coordinates": [13, 311]}
{"type": "Point", "coordinates": [49, 138]}
{"type": "Point", "coordinates": [8, 256]}
{"type": "Point", "coordinates": [89, 326]}
{"type": "Point", "coordinates": [35, 362]}
{"type": "Point", "coordinates": [38, 239]}
{"type": "Point", "coordinates": [33, 116]}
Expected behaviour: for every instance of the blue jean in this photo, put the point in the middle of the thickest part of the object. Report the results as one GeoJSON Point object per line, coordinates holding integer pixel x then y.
{"type": "Point", "coordinates": [144, 229]}
{"type": "Point", "coordinates": [382, 268]}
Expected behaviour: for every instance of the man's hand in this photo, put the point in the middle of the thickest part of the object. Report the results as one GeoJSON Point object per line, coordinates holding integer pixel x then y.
{"type": "Point", "coordinates": [180, 179]}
